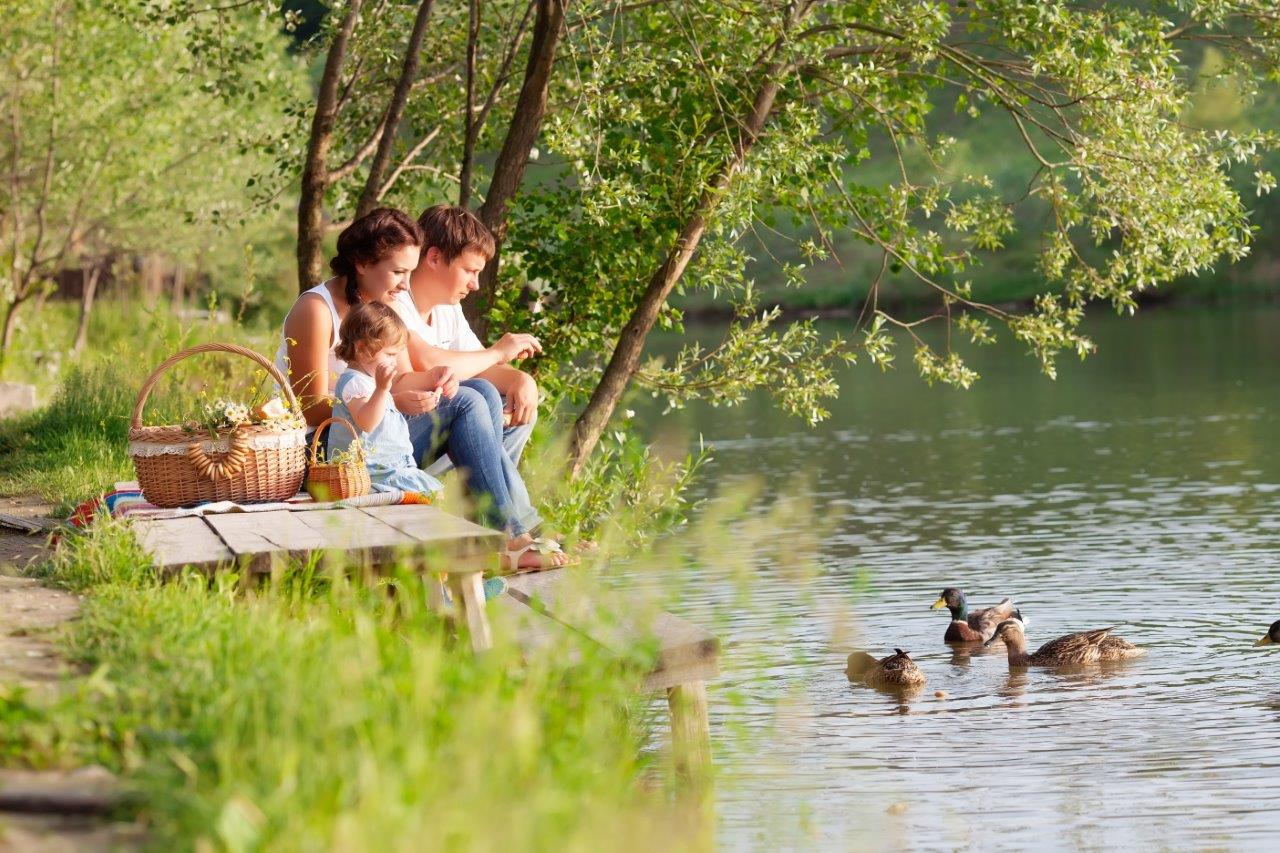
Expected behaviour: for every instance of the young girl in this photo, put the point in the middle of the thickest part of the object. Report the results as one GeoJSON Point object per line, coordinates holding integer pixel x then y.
{"type": "Point", "coordinates": [372, 337]}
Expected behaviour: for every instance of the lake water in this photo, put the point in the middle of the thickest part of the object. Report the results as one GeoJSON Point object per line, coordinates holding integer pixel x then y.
{"type": "Point", "coordinates": [1141, 489]}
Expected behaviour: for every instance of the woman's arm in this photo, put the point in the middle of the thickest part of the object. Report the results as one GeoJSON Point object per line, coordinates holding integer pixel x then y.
{"type": "Point", "coordinates": [308, 331]}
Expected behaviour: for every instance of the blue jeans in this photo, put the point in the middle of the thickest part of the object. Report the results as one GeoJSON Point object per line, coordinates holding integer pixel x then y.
{"type": "Point", "coordinates": [469, 428]}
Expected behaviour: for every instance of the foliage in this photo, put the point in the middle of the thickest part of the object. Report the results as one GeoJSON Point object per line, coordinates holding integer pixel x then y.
{"type": "Point", "coordinates": [631, 493]}
{"type": "Point", "coordinates": [113, 146]}
{"type": "Point", "coordinates": [1106, 166]}
{"type": "Point", "coordinates": [1090, 102]}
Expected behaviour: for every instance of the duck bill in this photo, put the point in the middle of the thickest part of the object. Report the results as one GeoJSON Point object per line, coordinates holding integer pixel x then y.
{"type": "Point", "coordinates": [992, 640]}
{"type": "Point", "coordinates": [939, 604]}
{"type": "Point", "coordinates": [1266, 641]}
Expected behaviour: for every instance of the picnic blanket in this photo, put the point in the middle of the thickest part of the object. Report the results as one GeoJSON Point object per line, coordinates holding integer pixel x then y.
{"type": "Point", "coordinates": [126, 501]}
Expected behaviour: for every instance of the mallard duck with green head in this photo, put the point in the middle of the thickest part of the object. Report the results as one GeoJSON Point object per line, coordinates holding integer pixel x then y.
{"type": "Point", "coordinates": [975, 627]}
{"type": "Point", "coordinates": [897, 670]}
{"type": "Point", "coordinates": [1272, 637]}
{"type": "Point", "coordinates": [1082, 647]}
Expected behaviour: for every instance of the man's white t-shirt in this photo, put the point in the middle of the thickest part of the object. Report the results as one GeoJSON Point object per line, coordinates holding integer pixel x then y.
{"type": "Point", "coordinates": [448, 328]}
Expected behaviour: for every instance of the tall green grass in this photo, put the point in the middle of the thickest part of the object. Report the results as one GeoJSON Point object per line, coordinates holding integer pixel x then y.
{"type": "Point", "coordinates": [325, 709]}
{"type": "Point", "coordinates": [317, 712]}
{"type": "Point", "coordinates": [75, 446]}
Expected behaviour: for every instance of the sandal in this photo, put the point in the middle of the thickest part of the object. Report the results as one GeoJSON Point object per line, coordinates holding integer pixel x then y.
{"type": "Point", "coordinates": [542, 546]}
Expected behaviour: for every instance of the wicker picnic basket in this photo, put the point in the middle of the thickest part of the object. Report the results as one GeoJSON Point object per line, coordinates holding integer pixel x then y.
{"type": "Point", "coordinates": [337, 481]}
{"type": "Point", "coordinates": [248, 463]}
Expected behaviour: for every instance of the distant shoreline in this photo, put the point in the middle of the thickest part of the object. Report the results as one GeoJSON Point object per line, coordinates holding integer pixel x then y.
{"type": "Point", "coordinates": [1146, 301]}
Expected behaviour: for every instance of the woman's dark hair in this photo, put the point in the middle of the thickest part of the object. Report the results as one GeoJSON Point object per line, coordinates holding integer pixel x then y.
{"type": "Point", "coordinates": [371, 323]}
{"type": "Point", "coordinates": [370, 239]}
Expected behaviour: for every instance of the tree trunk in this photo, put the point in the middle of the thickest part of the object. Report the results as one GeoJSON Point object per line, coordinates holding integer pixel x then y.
{"type": "Point", "coordinates": [395, 111]}
{"type": "Point", "coordinates": [508, 170]}
{"type": "Point", "coordinates": [179, 298]}
{"type": "Point", "coordinates": [10, 325]}
{"type": "Point", "coordinates": [590, 424]}
{"type": "Point", "coordinates": [315, 169]}
{"type": "Point", "coordinates": [469, 126]}
{"type": "Point", "coordinates": [88, 289]}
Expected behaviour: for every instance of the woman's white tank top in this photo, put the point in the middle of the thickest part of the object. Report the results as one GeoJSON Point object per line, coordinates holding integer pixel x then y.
{"type": "Point", "coordinates": [336, 365]}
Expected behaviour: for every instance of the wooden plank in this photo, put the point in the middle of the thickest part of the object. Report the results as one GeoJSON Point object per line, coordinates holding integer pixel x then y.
{"type": "Point", "coordinates": [685, 652]}
{"type": "Point", "coordinates": [533, 631]}
{"type": "Point", "coordinates": [260, 538]}
{"type": "Point", "coordinates": [351, 529]}
{"type": "Point", "coordinates": [175, 542]}
{"type": "Point", "coordinates": [32, 525]}
{"type": "Point", "coordinates": [454, 536]}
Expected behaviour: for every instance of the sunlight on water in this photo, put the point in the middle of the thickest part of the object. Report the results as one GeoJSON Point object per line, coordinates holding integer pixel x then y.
{"type": "Point", "coordinates": [1141, 490]}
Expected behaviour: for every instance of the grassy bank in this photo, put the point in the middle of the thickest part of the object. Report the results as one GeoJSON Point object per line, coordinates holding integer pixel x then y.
{"type": "Point", "coordinates": [317, 712]}
{"type": "Point", "coordinates": [323, 710]}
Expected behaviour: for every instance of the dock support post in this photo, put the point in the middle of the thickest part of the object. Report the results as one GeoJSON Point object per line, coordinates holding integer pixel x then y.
{"type": "Point", "coordinates": [690, 731]}
{"type": "Point", "coordinates": [468, 598]}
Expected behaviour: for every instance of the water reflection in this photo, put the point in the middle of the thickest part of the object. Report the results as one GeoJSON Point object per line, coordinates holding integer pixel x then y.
{"type": "Point", "coordinates": [1141, 489]}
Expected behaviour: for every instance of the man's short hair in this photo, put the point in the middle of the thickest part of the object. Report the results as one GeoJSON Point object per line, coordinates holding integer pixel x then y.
{"type": "Point", "coordinates": [454, 230]}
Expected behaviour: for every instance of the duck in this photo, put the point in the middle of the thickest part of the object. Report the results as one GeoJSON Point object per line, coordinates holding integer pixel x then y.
{"type": "Point", "coordinates": [1272, 637]}
{"type": "Point", "coordinates": [1082, 647]}
{"type": "Point", "coordinates": [975, 627]}
{"type": "Point", "coordinates": [897, 670]}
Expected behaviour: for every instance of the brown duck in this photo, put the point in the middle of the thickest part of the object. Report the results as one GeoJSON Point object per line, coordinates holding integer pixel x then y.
{"type": "Point", "coordinates": [897, 670]}
{"type": "Point", "coordinates": [1079, 648]}
{"type": "Point", "coordinates": [1272, 637]}
{"type": "Point", "coordinates": [975, 627]}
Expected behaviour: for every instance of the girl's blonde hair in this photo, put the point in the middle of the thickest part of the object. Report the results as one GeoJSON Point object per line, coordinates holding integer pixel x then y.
{"type": "Point", "coordinates": [373, 324]}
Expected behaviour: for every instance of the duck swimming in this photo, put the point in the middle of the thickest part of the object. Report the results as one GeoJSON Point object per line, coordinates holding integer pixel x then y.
{"type": "Point", "coordinates": [975, 627]}
{"type": "Point", "coordinates": [1082, 647]}
{"type": "Point", "coordinates": [1272, 636]}
{"type": "Point", "coordinates": [897, 670]}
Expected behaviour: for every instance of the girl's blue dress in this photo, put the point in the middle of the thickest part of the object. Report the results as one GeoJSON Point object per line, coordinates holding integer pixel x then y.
{"type": "Point", "coordinates": [388, 451]}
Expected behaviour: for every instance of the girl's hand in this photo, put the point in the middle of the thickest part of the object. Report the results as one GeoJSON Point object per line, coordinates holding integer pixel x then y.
{"type": "Point", "coordinates": [384, 374]}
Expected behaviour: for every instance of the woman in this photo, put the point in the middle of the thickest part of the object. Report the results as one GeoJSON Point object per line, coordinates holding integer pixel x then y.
{"type": "Point", "coordinates": [376, 255]}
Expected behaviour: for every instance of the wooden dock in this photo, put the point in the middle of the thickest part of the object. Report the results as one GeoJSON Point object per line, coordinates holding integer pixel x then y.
{"type": "Point", "coordinates": [539, 607]}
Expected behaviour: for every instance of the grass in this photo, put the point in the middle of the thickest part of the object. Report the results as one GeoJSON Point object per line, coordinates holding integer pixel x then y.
{"type": "Point", "coordinates": [318, 712]}
{"type": "Point", "coordinates": [322, 709]}
{"type": "Point", "coordinates": [75, 446]}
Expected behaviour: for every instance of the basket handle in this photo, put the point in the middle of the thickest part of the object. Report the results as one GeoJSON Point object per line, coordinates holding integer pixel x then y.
{"type": "Point", "coordinates": [315, 439]}
{"type": "Point", "coordinates": [234, 349]}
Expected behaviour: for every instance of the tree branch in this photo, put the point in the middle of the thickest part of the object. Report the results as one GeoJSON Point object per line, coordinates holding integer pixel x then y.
{"type": "Point", "coordinates": [469, 125]}
{"type": "Point", "coordinates": [395, 111]}
{"type": "Point", "coordinates": [314, 170]}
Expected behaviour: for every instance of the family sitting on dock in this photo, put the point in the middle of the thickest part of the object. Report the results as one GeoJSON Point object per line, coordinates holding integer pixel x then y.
{"type": "Point", "coordinates": [385, 344]}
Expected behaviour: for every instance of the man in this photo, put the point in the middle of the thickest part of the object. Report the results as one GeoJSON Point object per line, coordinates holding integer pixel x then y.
{"type": "Point", "coordinates": [455, 250]}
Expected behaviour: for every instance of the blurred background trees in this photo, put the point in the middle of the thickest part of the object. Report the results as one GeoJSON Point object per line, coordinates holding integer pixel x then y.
{"type": "Point", "coordinates": [980, 166]}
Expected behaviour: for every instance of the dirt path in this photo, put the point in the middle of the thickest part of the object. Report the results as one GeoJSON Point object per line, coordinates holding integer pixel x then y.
{"type": "Point", "coordinates": [57, 810]}
{"type": "Point", "coordinates": [30, 613]}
